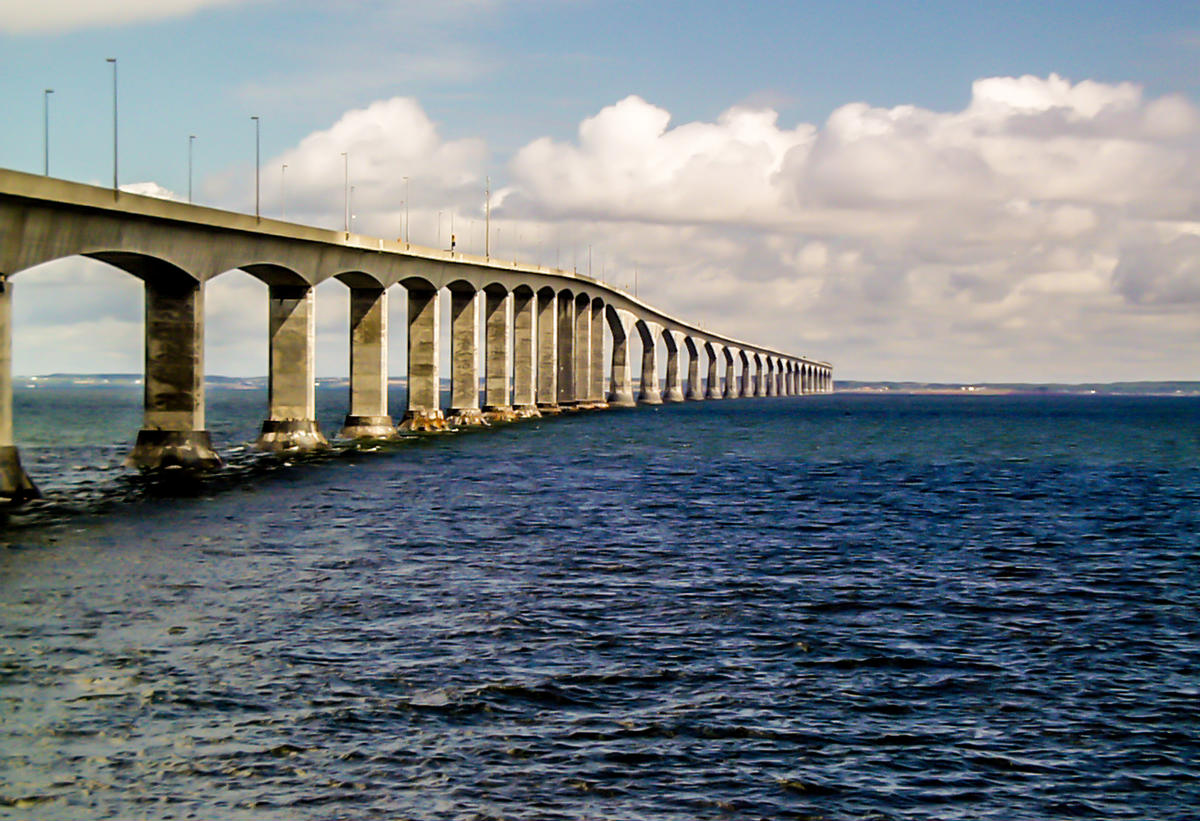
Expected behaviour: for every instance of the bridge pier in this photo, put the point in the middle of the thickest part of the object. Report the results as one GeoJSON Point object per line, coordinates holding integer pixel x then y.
{"type": "Point", "coordinates": [368, 417]}
{"type": "Point", "coordinates": [674, 391]}
{"type": "Point", "coordinates": [424, 412]}
{"type": "Point", "coordinates": [731, 387]}
{"type": "Point", "coordinates": [497, 385]}
{"type": "Point", "coordinates": [583, 352]}
{"type": "Point", "coordinates": [524, 354]}
{"type": "Point", "coordinates": [15, 485]}
{"type": "Point", "coordinates": [595, 394]}
{"type": "Point", "coordinates": [565, 387]}
{"type": "Point", "coordinates": [649, 392]}
{"type": "Point", "coordinates": [464, 357]}
{"type": "Point", "coordinates": [712, 382]}
{"type": "Point", "coordinates": [695, 391]}
{"type": "Point", "coordinates": [620, 393]}
{"type": "Point", "coordinates": [291, 423]}
{"type": "Point", "coordinates": [173, 433]}
{"type": "Point", "coordinates": [547, 348]}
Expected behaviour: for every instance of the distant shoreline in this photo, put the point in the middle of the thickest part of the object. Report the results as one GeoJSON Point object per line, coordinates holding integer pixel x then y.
{"type": "Point", "coordinates": [1147, 388]}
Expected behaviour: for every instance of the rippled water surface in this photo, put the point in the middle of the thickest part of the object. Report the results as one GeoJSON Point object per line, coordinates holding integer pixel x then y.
{"type": "Point", "coordinates": [830, 607]}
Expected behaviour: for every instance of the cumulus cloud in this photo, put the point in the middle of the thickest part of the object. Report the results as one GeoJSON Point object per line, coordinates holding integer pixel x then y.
{"type": "Point", "coordinates": [998, 241]}
{"type": "Point", "coordinates": [383, 143]}
{"type": "Point", "coordinates": [152, 189]}
{"type": "Point", "coordinates": [56, 16]}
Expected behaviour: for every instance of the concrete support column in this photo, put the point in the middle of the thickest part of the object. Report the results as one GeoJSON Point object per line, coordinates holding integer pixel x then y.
{"type": "Point", "coordinates": [769, 381]}
{"type": "Point", "coordinates": [695, 391]}
{"type": "Point", "coordinates": [791, 379]}
{"type": "Point", "coordinates": [712, 387]}
{"type": "Point", "coordinates": [731, 386]}
{"type": "Point", "coordinates": [758, 387]}
{"type": "Point", "coordinates": [464, 358]}
{"type": "Point", "coordinates": [596, 371]}
{"type": "Point", "coordinates": [620, 324]}
{"type": "Point", "coordinates": [547, 348]}
{"type": "Point", "coordinates": [173, 433]}
{"type": "Point", "coordinates": [566, 350]}
{"type": "Point", "coordinates": [292, 422]}
{"type": "Point", "coordinates": [424, 412]}
{"type": "Point", "coordinates": [650, 393]}
{"type": "Point", "coordinates": [746, 387]}
{"type": "Point", "coordinates": [524, 353]}
{"type": "Point", "coordinates": [368, 417]}
{"type": "Point", "coordinates": [15, 485]}
{"type": "Point", "coordinates": [674, 391]}
{"type": "Point", "coordinates": [779, 390]}
{"type": "Point", "coordinates": [583, 350]}
{"type": "Point", "coordinates": [497, 385]}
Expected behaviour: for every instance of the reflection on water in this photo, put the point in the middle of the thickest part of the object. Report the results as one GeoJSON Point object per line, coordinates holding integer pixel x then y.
{"type": "Point", "coordinates": [834, 607]}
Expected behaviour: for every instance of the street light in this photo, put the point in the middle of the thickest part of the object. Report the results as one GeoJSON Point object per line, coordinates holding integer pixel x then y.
{"type": "Point", "coordinates": [407, 222]}
{"type": "Point", "coordinates": [46, 130]}
{"type": "Point", "coordinates": [257, 213]}
{"type": "Point", "coordinates": [191, 139]}
{"type": "Point", "coordinates": [113, 60]}
{"type": "Point", "coordinates": [346, 192]}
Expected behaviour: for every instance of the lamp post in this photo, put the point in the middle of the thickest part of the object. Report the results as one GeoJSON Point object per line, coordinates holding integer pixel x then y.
{"type": "Point", "coordinates": [407, 223]}
{"type": "Point", "coordinates": [113, 60]}
{"type": "Point", "coordinates": [487, 217]}
{"type": "Point", "coordinates": [346, 192]}
{"type": "Point", "coordinates": [46, 131]}
{"type": "Point", "coordinates": [191, 139]}
{"type": "Point", "coordinates": [257, 213]}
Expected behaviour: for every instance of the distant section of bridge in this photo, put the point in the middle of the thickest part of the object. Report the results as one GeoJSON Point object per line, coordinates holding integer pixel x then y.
{"type": "Point", "coordinates": [543, 330]}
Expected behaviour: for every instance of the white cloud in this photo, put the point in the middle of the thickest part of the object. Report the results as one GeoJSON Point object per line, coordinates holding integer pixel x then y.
{"type": "Point", "coordinates": [999, 241]}
{"type": "Point", "coordinates": [56, 16]}
{"type": "Point", "coordinates": [385, 142]}
{"type": "Point", "coordinates": [151, 189]}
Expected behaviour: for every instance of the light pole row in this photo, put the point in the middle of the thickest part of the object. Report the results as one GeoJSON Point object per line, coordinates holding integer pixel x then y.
{"type": "Point", "coordinates": [257, 163]}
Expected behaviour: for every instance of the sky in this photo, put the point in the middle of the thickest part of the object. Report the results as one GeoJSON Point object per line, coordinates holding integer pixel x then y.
{"type": "Point", "coordinates": [936, 191]}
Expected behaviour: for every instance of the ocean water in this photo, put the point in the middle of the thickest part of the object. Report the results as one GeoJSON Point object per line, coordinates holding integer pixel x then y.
{"type": "Point", "coordinates": [834, 607]}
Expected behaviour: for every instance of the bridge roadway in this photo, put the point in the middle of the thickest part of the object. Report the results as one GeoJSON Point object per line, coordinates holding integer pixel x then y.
{"type": "Point", "coordinates": [543, 329]}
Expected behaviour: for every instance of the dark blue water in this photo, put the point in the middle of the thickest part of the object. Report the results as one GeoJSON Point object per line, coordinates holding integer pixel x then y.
{"type": "Point", "coordinates": [831, 607]}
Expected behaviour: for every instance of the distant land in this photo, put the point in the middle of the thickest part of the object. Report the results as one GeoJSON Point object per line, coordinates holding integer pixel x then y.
{"type": "Point", "coordinates": [1165, 388]}
{"type": "Point", "coordinates": [1149, 388]}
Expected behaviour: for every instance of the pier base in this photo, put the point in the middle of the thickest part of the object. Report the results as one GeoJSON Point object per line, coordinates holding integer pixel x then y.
{"type": "Point", "coordinates": [467, 418]}
{"type": "Point", "coordinates": [301, 435]}
{"type": "Point", "coordinates": [621, 399]}
{"type": "Point", "coordinates": [527, 412]}
{"type": "Point", "coordinates": [368, 427]}
{"type": "Point", "coordinates": [548, 409]}
{"type": "Point", "coordinates": [160, 449]}
{"type": "Point", "coordinates": [424, 421]}
{"type": "Point", "coordinates": [15, 485]}
{"type": "Point", "coordinates": [499, 413]}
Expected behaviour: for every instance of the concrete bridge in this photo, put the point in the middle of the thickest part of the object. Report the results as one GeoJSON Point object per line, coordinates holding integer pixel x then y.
{"type": "Point", "coordinates": [543, 334]}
